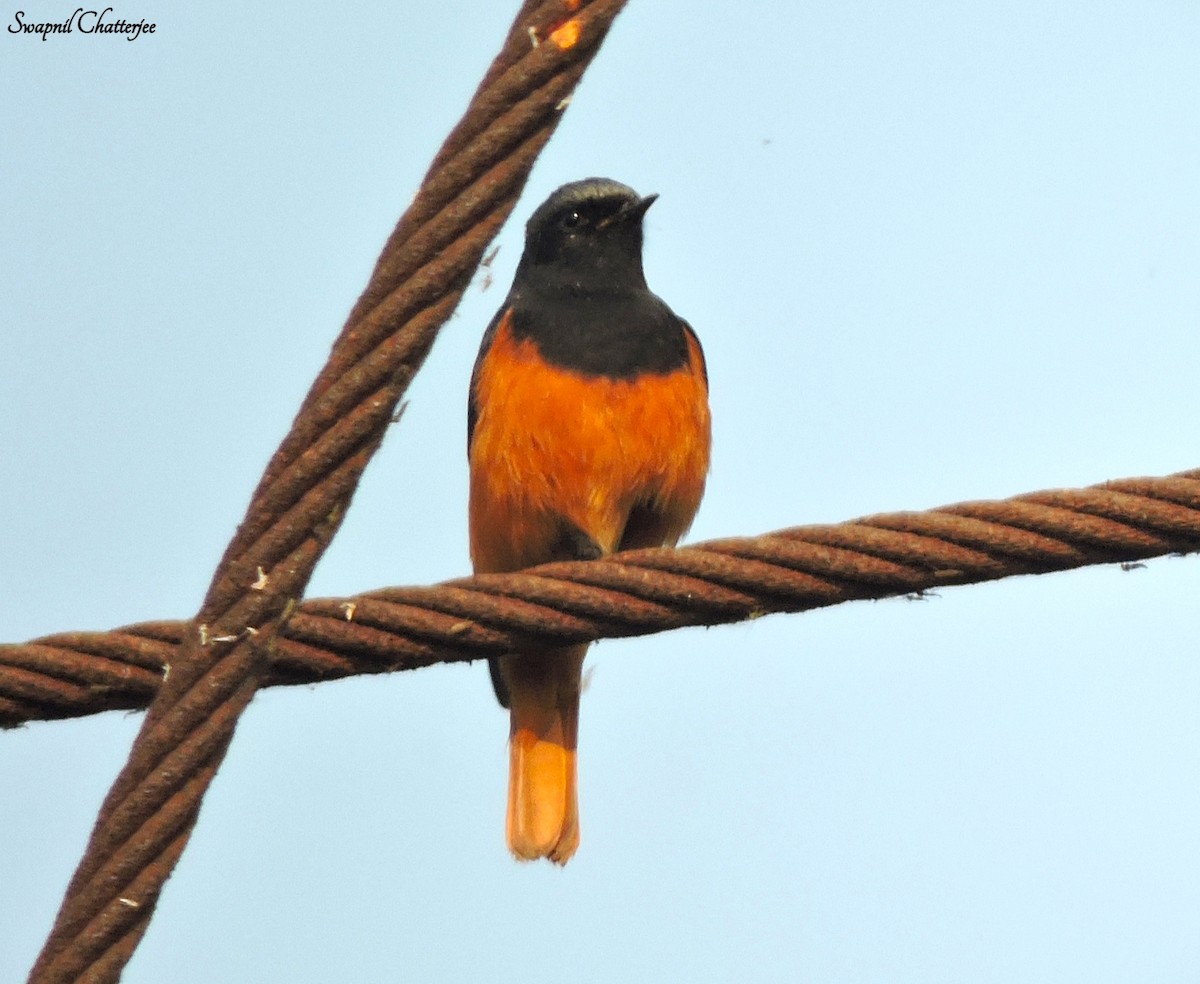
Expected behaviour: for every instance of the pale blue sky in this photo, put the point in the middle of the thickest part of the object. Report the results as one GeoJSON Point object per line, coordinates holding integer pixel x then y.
{"type": "Point", "coordinates": [935, 251]}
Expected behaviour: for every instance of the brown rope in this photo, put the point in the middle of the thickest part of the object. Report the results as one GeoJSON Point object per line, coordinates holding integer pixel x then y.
{"type": "Point", "coordinates": [637, 592]}
{"type": "Point", "coordinates": [472, 186]}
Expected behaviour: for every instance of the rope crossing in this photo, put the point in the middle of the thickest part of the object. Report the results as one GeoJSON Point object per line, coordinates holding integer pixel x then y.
{"type": "Point", "coordinates": [636, 593]}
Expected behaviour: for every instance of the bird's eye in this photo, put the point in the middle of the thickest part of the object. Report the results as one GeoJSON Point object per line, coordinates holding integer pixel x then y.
{"type": "Point", "coordinates": [571, 220]}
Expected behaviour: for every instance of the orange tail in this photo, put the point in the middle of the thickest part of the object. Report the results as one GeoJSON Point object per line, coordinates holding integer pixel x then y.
{"type": "Point", "coordinates": [543, 810]}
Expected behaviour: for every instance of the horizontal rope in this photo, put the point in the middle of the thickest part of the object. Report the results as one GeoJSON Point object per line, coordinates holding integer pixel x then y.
{"type": "Point", "coordinates": [636, 593]}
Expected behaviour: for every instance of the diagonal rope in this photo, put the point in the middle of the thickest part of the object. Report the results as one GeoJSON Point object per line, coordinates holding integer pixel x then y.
{"type": "Point", "coordinates": [637, 592]}
{"type": "Point", "coordinates": [223, 655]}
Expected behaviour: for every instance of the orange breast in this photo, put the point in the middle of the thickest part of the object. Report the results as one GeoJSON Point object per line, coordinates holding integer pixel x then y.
{"type": "Point", "coordinates": [549, 444]}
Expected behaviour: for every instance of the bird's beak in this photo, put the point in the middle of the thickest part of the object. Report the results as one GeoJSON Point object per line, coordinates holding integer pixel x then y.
{"type": "Point", "coordinates": [630, 213]}
{"type": "Point", "coordinates": [635, 211]}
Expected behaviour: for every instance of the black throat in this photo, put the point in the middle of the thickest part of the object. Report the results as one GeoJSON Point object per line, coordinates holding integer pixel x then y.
{"type": "Point", "coordinates": [618, 334]}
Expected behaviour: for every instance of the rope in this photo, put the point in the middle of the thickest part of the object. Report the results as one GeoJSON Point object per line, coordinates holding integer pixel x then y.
{"type": "Point", "coordinates": [636, 593]}
{"type": "Point", "coordinates": [223, 655]}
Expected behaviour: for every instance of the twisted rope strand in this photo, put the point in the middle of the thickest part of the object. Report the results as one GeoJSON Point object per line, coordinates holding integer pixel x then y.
{"type": "Point", "coordinates": [637, 592]}
{"type": "Point", "coordinates": [295, 511]}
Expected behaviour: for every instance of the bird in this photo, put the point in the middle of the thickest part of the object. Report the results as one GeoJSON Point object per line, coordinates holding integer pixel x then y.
{"type": "Point", "coordinates": [588, 432]}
